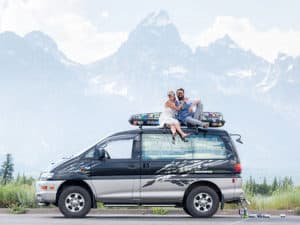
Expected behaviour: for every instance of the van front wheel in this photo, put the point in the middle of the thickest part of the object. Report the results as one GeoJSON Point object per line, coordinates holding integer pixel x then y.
{"type": "Point", "coordinates": [202, 201]}
{"type": "Point", "coordinates": [74, 202]}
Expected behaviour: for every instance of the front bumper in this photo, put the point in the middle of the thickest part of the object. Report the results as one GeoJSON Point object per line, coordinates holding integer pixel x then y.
{"type": "Point", "coordinates": [46, 190]}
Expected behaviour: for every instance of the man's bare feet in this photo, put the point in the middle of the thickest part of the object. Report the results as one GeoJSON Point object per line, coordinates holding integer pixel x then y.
{"type": "Point", "coordinates": [205, 125]}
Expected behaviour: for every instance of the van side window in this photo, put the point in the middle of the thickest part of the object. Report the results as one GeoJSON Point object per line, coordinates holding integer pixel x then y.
{"type": "Point", "coordinates": [160, 146]}
{"type": "Point", "coordinates": [120, 149]}
{"type": "Point", "coordinates": [208, 147]}
{"type": "Point", "coordinates": [199, 146]}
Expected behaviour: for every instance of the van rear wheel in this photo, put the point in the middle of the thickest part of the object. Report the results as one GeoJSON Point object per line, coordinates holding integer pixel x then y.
{"type": "Point", "coordinates": [202, 201]}
{"type": "Point", "coordinates": [74, 202]}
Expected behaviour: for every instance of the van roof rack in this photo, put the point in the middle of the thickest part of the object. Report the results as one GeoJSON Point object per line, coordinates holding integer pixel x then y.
{"type": "Point", "coordinates": [214, 119]}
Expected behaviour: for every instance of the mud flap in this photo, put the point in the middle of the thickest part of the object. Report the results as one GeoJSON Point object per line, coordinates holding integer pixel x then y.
{"type": "Point", "coordinates": [222, 202]}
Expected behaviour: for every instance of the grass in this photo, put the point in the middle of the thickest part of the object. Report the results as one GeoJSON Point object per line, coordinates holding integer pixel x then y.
{"type": "Point", "coordinates": [159, 211]}
{"type": "Point", "coordinates": [100, 205]}
{"type": "Point", "coordinates": [277, 201]}
{"type": "Point", "coordinates": [13, 195]}
{"type": "Point", "coordinates": [17, 209]}
{"type": "Point", "coordinates": [281, 200]}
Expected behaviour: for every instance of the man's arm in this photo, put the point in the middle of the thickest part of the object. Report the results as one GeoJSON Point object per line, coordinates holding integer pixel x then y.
{"type": "Point", "coordinates": [194, 103]}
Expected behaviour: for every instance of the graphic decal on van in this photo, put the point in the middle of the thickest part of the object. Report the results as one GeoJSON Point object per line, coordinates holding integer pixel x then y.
{"type": "Point", "coordinates": [171, 171]}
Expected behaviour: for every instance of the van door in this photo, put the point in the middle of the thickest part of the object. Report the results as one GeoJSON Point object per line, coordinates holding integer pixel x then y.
{"type": "Point", "coordinates": [162, 173]}
{"type": "Point", "coordinates": [116, 178]}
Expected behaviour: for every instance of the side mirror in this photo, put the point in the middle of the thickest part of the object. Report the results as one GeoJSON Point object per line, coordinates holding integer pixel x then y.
{"type": "Point", "coordinates": [99, 153]}
{"type": "Point", "coordinates": [239, 140]}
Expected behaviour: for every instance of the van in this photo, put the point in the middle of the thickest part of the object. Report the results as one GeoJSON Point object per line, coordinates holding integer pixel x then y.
{"type": "Point", "coordinates": [143, 167]}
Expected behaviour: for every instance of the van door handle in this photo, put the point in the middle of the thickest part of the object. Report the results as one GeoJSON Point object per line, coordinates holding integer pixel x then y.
{"type": "Point", "coordinates": [146, 165]}
{"type": "Point", "coordinates": [131, 167]}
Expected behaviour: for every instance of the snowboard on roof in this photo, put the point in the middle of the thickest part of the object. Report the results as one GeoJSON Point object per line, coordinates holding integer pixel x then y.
{"type": "Point", "coordinates": [214, 119]}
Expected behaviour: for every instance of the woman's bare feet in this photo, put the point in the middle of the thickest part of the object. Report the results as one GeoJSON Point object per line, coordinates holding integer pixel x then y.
{"type": "Point", "coordinates": [185, 135]}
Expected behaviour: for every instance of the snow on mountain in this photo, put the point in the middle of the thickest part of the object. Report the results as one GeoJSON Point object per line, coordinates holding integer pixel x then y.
{"type": "Point", "coordinates": [34, 54]}
{"type": "Point", "coordinates": [150, 46]}
{"type": "Point", "coordinates": [224, 55]}
{"type": "Point", "coordinates": [153, 50]}
{"type": "Point", "coordinates": [159, 18]}
{"type": "Point", "coordinates": [45, 43]}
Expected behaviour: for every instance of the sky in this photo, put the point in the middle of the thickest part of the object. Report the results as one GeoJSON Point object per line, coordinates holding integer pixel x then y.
{"type": "Point", "coordinates": [89, 30]}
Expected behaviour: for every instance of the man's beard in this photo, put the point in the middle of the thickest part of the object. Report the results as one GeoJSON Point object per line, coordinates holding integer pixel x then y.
{"type": "Point", "coordinates": [180, 98]}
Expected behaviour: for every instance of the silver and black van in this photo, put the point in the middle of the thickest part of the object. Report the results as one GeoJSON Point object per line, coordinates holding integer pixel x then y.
{"type": "Point", "coordinates": [144, 167]}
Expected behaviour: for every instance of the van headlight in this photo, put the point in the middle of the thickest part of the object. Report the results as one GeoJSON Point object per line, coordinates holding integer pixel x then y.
{"type": "Point", "coordinates": [46, 175]}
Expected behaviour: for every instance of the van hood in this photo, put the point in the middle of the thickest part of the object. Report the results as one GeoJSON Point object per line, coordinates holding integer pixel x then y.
{"type": "Point", "coordinates": [55, 165]}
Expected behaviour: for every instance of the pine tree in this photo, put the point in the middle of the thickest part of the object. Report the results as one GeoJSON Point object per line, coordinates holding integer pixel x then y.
{"type": "Point", "coordinates": [7, 169]}
{"type": "Point", "coordinates": [291, 183]}
{"type": "Point", "coordinates": [18, 179]}
{"type": "Point", "coordinates": [264, 187]}
{"type": "Point", "coordinates": [275, 184]}
{"type": "Point", "coordinates": [285, 183]}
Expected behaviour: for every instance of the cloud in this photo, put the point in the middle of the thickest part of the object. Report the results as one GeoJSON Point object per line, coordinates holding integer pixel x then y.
{"type": "Point", "coordinates": [267, 43]}
{"type": "Point", "coordinates": [104, 14]}
{"type": "Point", "coordinates": [100, 85]}
{"type": "Point", "coordinates": [76, 35]}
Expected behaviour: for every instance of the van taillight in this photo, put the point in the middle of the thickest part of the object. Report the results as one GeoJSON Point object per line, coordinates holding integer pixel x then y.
{"type": "Point", "coordinates": [238, 168]}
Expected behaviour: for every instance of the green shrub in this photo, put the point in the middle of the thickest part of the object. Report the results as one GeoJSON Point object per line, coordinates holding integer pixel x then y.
{"type": "Point", "coordinates": [17, 209]}
{"type": "Point", "coordinates": [278, 200]}
{"type": "Point", "coordinates": [159, 211]}
{"type": "Point", "coordinates": [297, 211]}
{"type": "Point", "coordinates": [100, 205]}
{"type": "Point", "coordinates": [17, 195]}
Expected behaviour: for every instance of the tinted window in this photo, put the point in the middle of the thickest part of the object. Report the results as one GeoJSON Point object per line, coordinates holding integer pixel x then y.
{"type": "Point", "coordinates": [160, 146]}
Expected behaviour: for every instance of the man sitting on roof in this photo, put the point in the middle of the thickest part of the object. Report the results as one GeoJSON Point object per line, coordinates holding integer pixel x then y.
{"type": "Point", "coordinates": [186, 115]}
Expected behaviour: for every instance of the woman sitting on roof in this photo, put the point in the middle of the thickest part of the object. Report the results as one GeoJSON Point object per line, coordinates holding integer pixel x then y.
{"type": "Point", "coordinates": [167, 117]}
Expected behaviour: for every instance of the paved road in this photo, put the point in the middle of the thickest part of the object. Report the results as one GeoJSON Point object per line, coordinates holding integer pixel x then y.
{"type": "Point", "coordinates": [49, 219]}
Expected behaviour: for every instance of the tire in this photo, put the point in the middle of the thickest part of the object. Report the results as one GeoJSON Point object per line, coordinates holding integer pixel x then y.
{"type": "Point", "coordinates": [74, 202]}
{"type": "Point", "coordinates": [202, 201]}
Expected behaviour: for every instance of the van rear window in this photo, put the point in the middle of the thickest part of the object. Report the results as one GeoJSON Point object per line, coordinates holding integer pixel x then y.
{"type": "Point", "coordinates": [200, 146]}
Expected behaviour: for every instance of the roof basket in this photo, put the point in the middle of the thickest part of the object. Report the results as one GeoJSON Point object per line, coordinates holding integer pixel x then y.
{"type": "Point", "coordinates": [214, 119]}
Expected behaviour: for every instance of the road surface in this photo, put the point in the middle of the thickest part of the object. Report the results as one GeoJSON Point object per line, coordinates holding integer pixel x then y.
{"type": "Point", "coordinates": [138, 219]}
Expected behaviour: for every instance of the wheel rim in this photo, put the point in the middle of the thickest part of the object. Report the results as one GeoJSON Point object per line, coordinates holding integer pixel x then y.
{"type": "Point", "coordinates": [74, 202]}
{"type": "Point", "coordinates": [203, 202]}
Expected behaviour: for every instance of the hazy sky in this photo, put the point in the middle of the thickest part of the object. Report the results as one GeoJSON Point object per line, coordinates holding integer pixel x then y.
{"type": "Point", "coordinates": [87, 30]}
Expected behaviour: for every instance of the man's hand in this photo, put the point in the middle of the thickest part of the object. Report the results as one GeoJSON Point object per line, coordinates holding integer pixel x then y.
{"type": "Point", "coordinates": [198, 101]}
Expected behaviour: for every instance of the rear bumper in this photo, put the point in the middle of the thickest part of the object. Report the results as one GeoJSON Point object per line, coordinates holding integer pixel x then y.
{"type": "Point", "coordinates": [46, 191]}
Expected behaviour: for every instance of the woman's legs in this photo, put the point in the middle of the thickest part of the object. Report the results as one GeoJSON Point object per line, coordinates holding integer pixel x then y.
{"type": "Point", "coordinates": [173, 129]}
{"type": "Point", "coordinates": [180, 131]}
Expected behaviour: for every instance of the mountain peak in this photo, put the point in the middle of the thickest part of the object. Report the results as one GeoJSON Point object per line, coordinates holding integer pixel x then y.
{"type": "Point", "coordinates": [155, 29]}
{"type": "Point", "coordinates": [226, 41]}
{"type": "Point", "coordinates": [41, 39]}
{"type": "Point", "coordinates": [157, 19]}
{"type": "Point", "coordinates": [9, 35]}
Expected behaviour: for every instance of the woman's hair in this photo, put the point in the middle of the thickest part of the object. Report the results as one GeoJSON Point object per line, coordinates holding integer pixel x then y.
{"type": "Point", "coordinates": [171, 93]}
